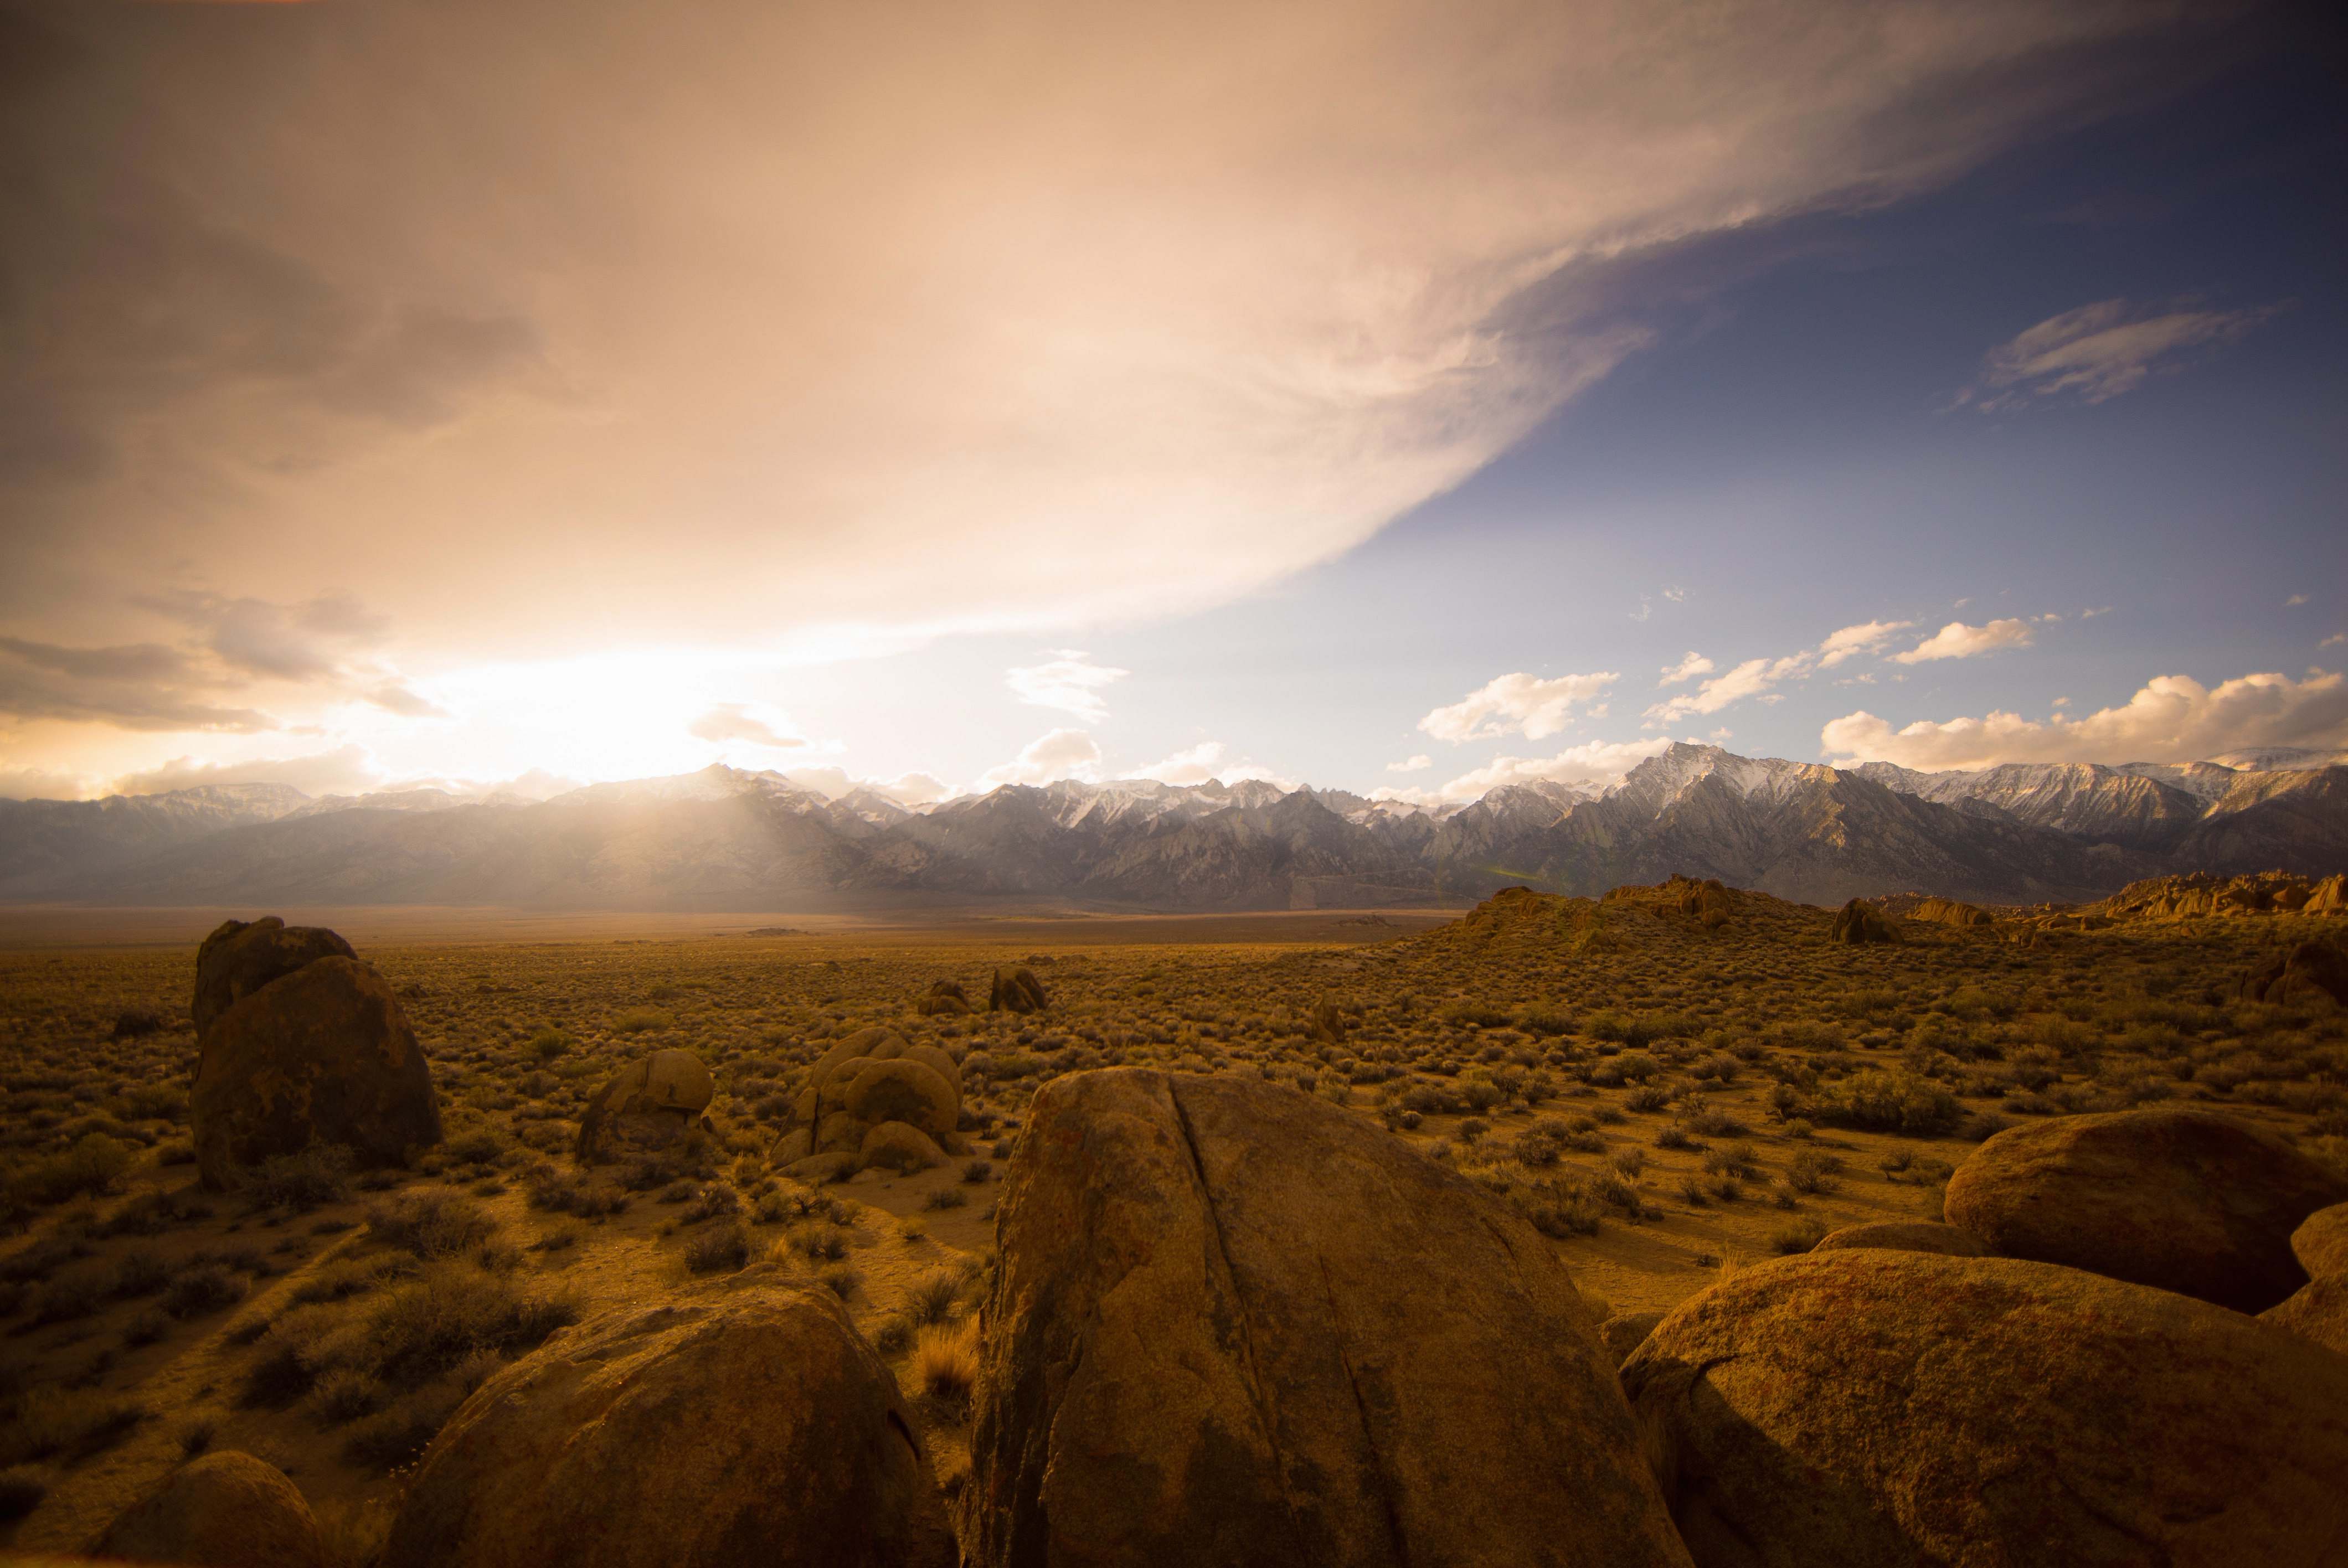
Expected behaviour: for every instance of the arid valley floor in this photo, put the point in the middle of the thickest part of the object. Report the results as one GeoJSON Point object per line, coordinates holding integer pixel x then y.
{"type": "Point", "coordinates": [1668, 1087]}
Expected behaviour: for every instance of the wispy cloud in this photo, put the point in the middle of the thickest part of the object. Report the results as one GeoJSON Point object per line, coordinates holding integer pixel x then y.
{"type": "Point", "coordinates": [1853, 641]}
{"type": "Point", "coordinates": [1959, 641]}
{"type": "Point", "coordinates": [2098, 352]}
{"type": "Point", "coordinates": [1069, 681]}
{"type": "Point", "coordinates": [1693, 665]}
{"type": "Point", "coordinates": [1517, 704]}
{"type": "Point", "coordinates": [1209, 760]}
{"type": "Point", "coordinates": [1591, 765]}
{"type": "Point", "coordinates": [1060, 754]}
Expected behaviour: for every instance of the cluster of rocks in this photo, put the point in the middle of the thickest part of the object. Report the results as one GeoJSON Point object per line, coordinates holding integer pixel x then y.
{"type": "Point", "coordinates": [299, 1042]}
{"type": "Point", "coordinates": [1859, 922]}
{"type": "Point", "coordinates": [874, 1099]}
{"type": "Point", "coordinates": [648, 1108]}
{"type": "Point", "coordinates": [2313, 971]}
{"type": "Point", "coordinates": [2203, 893]}
{"type": "Point", "coordinates": [1230, 1323]}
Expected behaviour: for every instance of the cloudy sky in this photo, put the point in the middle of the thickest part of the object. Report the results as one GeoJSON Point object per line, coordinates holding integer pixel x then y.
{"type": "Point", "coordinates": [1383, 396]}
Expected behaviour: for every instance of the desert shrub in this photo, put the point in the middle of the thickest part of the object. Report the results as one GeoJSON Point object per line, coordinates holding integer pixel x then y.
{"type": "Point", "coordinates": [1647, 1097]}
{"type": "Point", "coordinates": [978, 1171]}
{"type": "Point", "coordinates": [1889, 1102]}
{"type": "Point", "coordinates": [206, 1287]}
{"type": "Point", "coordinates": [641, 1020]}
{"type": "Point", "coordinates": [430, 1224]}
{"type": "Point", "coordinates": [141, 1271]}
{"type": "Point", "coordinates": [345, 1394]}
{"type": "Point", "coordinates": [1675, 1137]}
{"type": "Point", "coordinates": [720, 1249]}
{"type": "Point", "coordinates": [1541, 1144]}
{"type": "Point", "coordinates": [934, 1297]}
{"type": "Point", "coordinates": [1712, 1121]}
{"type": "Point", "coordinates": [479, 1146]}
{"type": "Point", "coordinates": [145, 1327]}
{"type": "Point", "coordinates": [1811, 1171]}
{"type": "Point", "coordinates": [392, 1437]}
{"type": "Point", "coordinates": [1740, 1159]}
{"type": "Point", "coordinates": [70, 1297]}
{"type": "Point", "coordinates": [894, 1336]}
{"type": "Point", "coordinates": [945, 1198]}
{"type": "Point", "coordinates": [427, 1327]}
{"type": "Point", "coordinates": [93, 1163]}
{"type": "Point", "coordinates": [66, 1424]}
{"type": "Point", "coordinates": [558, 1191]}
{"type": "Point", "coordinates": [945, 1361]}
{"type": "Point", "coordinates": [548, 1043]}
{"type": "Point", "coordinates": [1797, 1237]}
{"type": "Point", "coordinates": [317, 1175]}
{"type": "Point", "coordinates": [817, 1241]}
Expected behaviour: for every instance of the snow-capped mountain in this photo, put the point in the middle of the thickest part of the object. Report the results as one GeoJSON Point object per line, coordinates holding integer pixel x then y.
{"type": "Point", "coordinates": [726, 838]}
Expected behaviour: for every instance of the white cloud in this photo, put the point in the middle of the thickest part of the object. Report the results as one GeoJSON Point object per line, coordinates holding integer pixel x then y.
{"type": "Point", "coordinates": [1070, 681]}
{"type": "Point", "coordinates": [2337, 639]}
{"type": "Point", "coordinates": [2294, 601]}
{"type": "Point", "coordinates": [2172, 718]}
{"type": "Point", "coordinates": [1851, 640]}
{"type": "Point", "coordinates": [345, 770]}
{"type": "Point", "coordinates": [734, 721]}
{"type": "Point", "coordinates": [1590, 765]}
{"type": "Point", "coordinates": [42, 783]}
{"type": "Point", "coordinates": [1687, 669]}
{"type": "Point", "coordinates": [1958, 641]}
{"type": "Point", "coordinates": [1411, 764]}
{"type": "Point", "coordinates": [1198, 765]}
{"type": "Point", "coordinates": [1754, 678]}
{"type": "Point", "coordinates": [1061, 754]}
{"type": "Point", "coordinates": [1516, 704]}
{"type": "Point", "coordinates": [2100, 351]}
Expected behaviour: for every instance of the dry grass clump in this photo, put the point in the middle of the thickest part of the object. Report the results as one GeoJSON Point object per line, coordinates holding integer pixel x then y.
{"type": "Point", "coordinates": [944, 1364]}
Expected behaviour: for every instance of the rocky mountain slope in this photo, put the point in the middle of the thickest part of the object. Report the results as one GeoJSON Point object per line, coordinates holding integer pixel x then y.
{"type": "Point", "coordinates": [724, 838]}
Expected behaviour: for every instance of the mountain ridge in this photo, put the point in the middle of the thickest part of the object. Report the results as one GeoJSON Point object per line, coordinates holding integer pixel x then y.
{"type": "Point", "coordinates": [726, 837]}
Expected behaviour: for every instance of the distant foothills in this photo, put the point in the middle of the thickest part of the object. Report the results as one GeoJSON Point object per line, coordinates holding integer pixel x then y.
{"type": "Point", "coordinates": [727, 839]}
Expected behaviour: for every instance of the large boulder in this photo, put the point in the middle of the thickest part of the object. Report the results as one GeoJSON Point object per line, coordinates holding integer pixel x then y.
{"type": "Point", "coordinates": [867, 1079]}
{"type": "Point", "coordinates": [1875, 1409]}
{"type": "Point", "coordinates": [1904, 1236]}
{"type": "Point", "coordinates": [1230, 1324]}
{"type": "Point", "coordinates": [1861, 922]}
{"type": "Point", "coordinates": [2313, 971]}
{"type": "Point", "coordinates": [2189, 1202]}
{"type": "Point", "coordinates": [649, 1105]}
{"type": "Point", "coordinates": [748, 1428]}
{"type": "Point", "coordinates": [2321, 1242]}
{"type": "Point", "coordinates": [902, 1090]}
{"type": "Point", "coordinates": [226, 1509]}
{"type": "Point", "coordinates": [321, 1055]}
{"type": "Point", "coordinates": [896, 1146]}
{"type": "Point", "coordinates": [2317, 1312]}
{"type": "Point", "coordinates": [1017, 990]}
{"type": "Point", "coordinates": [242, 956]}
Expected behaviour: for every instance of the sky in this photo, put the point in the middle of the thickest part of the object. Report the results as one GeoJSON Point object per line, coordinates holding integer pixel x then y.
{"type": "Point", "coordinates": [1405, 398]}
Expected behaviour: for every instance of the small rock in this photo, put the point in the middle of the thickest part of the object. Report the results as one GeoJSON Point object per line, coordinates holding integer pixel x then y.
{"type": "Point", "coordinates": [226, 1509]}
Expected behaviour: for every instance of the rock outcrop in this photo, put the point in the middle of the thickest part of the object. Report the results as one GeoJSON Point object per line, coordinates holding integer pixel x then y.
{"type": "Point", "coordinates": [2321, 1242]}
{"type": "Point", "coordinates": [2313, 971]}
{"type": "Point", "coordinates": [1904, 1236]}
{"type": "Point", "coordinates": [2318, 1310]}
{"type": "Point", "coordinates": [1206, 1342]}
{"type": "Point", "coordinates": [740, 1430]}
{"type": "Point", "coordinates": [1017, 990]}
{"type": "Point", "coordinates": [300, 1043]}
{"type": "Point", "coordinates": [874, 1079]}
{"type": "Point", "coordinates": [226, 1509]}
{"type": "Point", "coordinates": [2182, 1199]}
{"type": "Point", "coordinates": [1869, 1406]}
{"type": "Point", "coordinates": [1860, 922]}
{"type": "Point", "coordinates": [242, 956]}
{"type": "Point", "coordinates": [943, 998]}
{"type": "Point", "coordinates": [648, 1106]}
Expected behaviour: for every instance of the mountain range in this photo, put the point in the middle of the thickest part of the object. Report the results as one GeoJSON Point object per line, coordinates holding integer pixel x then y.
{"type": "Point", "coordinates": [726, 838]}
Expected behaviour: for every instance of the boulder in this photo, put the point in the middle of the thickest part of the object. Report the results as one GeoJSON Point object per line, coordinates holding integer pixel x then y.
{"type": "Point", "coordinates": [898, 1146]}
{"type": "Point", "coordinates": [793, 1146]}
{"type": "Point", "coordinates": [321, 1055]}
{"type": "Point", "coordinates": [649, 1105]}
{"type": "Point", "coordinates": [735, 1428]}
{"type": "Point", "coordinates": [1328, 1022]}
{"type": "Point", "coordinates": [816, 1170]}
{"type": "Point", "coordinates": [2328, 897]}
{"type": "Point", "coordinates": [2317, 1312]}
{"type": "Point", "coordinates": [240, 956]}
{"type": "Point", "coordinates": [1904, 1236]}
{"type": "Point", "coordinates": [1949, 912]}
{"type": "Point", "coordinates": [226, 1509]}
{"type": "Point", "coordinates": [2183, 1200]}
{"type": "Point", "coordinates": [2321, 1243]}
{"type": "Point", "coordinates": [902, 1090]}
{"type": "Point", "coordinates": [1625, 1332]}
{"type": "Point", "coordinates": [2313, 971]}
{"type": "Point", "coordinates": [944, 999]}
{"type": "Point", "coordinates": [840, 1130]}
{"type": "Point", "coordinates": [1017, 990]}
{"type": "Point", "coordinates": [1218, 1333]}
{"type": "Point", "coordinates": [1860, 921]}
{"type": "Point", "coordinates": [1870, 1407]}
